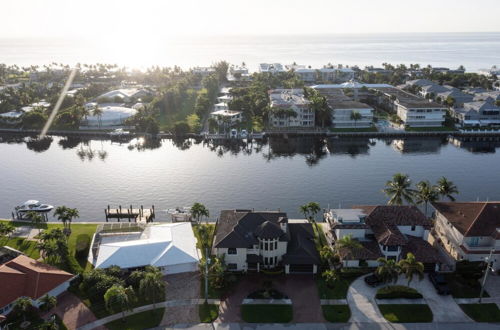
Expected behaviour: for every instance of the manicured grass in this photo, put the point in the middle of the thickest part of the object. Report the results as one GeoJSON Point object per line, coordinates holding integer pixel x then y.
{"type": "Point", "coordinates": [267, 313]}
{"type": "Point", "coordinates": [430, 129]}
{"type": "Point", "coordinates": [464, 288]}
{"type": "Point", "coordinates": [410, 313]}
{"type": "Point", "coordinates": [396, 292]}
{"type": "Point", "coordinates": [208, 313]}
{"type": "Point", "coordinates": [354, 129]}
{"type": "Point", "coordinates": [336, 313]}
{"type": "Point", "coordinates": [25, 246]}
{"type": "Point", "coordinates": [139, 321]}
{"type": "Point", "coordinates": [338, 291]}
{"type": "Point", "coordinates": [482, 312]}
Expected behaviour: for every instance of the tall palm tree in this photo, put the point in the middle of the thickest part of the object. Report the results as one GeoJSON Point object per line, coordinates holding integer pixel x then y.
{"type": "Point", "coordinates": [349, 244]}
{"type": "Point", "coordinates": [304, 209]}
{"type": "Point", "coordinates": [388, 270]}
{"type": "Point", "coordinates": [152, 286]}
{"type": "Point", "coordinates": [22, 305]}
{"type": "Point", "coordinates": [119, 299]}
{"type": "Point", "coordinates": [66, 215]}
{"type": "Point", "coordinates": [355, 115]}
{"type": "Point", "coordinates": [36, 220]}
{"type": "Point", "coordinates": [6, 229]}
{"type": "Point", "coordinates": [399, 189]}
{"type": "Point", "coordinates": [314, 208]}
{"type": "Point", "coordinates": [97, 111]}
{"type": "Point", "coordinates": [198, 211]}
{"type": "Point", "coordinates": [425, 193]}
{"type": "Point", "coordinates": [411, 267]}
{"type": "Point", "coordinates": [446, 188]}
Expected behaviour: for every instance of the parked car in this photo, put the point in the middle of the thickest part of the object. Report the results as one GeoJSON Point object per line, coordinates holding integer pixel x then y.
{"type": "Point", "coordinates": [234, 133]}
{"type": "Point", "coordinates": [373, 280]}
{"type": "Point", "coordinates": [243, 134]}
{"type": "Point", "coordinates": [440, 283]}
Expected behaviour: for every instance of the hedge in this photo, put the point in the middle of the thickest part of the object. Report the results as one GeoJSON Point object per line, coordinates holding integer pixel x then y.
{"type": "Point", "coordinates": [397, 291]}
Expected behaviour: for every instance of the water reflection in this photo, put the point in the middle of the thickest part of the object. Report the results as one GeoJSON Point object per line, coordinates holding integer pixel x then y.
{"type": "Point", "coordinates": [311, 149]}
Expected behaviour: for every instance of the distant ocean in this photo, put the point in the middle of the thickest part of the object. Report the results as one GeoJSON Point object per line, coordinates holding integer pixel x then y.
{"type": "Point", "coordinates": [473, 50]}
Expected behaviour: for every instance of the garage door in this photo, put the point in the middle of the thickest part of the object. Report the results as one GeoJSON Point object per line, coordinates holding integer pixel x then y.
{"type": "Point", "coordinates": [181, 268]}
{"type": "Point", "coordinates": [301, 269]}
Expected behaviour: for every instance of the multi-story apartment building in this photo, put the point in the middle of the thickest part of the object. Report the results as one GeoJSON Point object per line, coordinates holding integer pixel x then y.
{"type": "Point", "coordinates": [271, 67]}
{"type": "Point", "coordinates": [289, 108]}
{"type": "Point", "coordinates": [479, 113]}
{"type": "Point", "coordinates": [343, 113]}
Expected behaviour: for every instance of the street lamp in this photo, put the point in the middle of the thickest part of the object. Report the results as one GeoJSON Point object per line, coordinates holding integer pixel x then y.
{"type": "Point", "coordinates": [488, 269]}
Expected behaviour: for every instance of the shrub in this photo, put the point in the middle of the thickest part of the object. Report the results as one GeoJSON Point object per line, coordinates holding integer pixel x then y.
{"type": "Point", "coordinates": [397, 291]}
{"type": "Point", "coordinates": [354, 272]}
{"type": "Point", "coordinates": [181, 128]}
{"type": "Point", "coordinates": [82, 246]}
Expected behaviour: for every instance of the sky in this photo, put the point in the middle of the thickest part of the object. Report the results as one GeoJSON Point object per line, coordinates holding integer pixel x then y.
{"type": "Point", "coordinates": [146, 20]}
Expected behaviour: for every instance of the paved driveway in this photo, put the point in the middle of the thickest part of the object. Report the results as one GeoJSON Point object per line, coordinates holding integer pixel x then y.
{"type": "Point", "coordinates": [301, 289]}
{"type": "Point", "coordinates": [361, 300]}
{"type": "Point", "coordinates": [73, 311]}
{"type": "Point", "coordinates": [179, 287]}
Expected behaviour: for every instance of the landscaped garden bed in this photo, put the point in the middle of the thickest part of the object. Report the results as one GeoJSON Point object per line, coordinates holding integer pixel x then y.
{"type": "Point", "coordinates": [267, 313]}
{"type": "Point", "coordinates": [208, 312]}
{"type": "Point", "coordinates": [406, 313]}
{"type": "Point", "coordinates": [465, 285]}
{"type": "Point", "coordinates": [336, 313]}
{"type": "Point", "coordinates": [397, 292]}
{"type": "Point", "coordinates": [267, 294]}
{"type": "Point", "coordinates": [339, 288]}
{"type": "Point", "coordinates": [482, 312]}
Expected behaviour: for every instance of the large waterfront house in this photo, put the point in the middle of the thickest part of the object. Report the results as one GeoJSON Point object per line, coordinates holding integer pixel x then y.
{"type": "Point", "coordinates": [384, 231]}
{"type": "Point", "coordinates": [112, 114]}
{"type": "Point", "coordinates": [478, 113]}
{"type": "Point", "coordinates": [290, 108]}
{"type": "Point", "coordinates": [170, 247]}
{"type": "Point", "coordinates": [26, 277]}
{"type": "Point", "coordinates": [458, 97]}
{"type": "Point", "coordinates": [271, 68]}
{"type": "Point", "coordinates": [228, 117]}
{"type": "Point", "coordinates": [469, 230]}
{"type": "Point", "coordinates": [326, 74]}
{"type": "Point", "coordinates": [124, 94]}
{"type": "Point", "coordinates": [251, 241]}
{"type": "Point", "coordinates": [343, 111]}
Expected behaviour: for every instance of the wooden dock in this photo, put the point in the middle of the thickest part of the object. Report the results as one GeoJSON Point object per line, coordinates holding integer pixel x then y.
{"type": "Point", "coordinates": [139, 215]}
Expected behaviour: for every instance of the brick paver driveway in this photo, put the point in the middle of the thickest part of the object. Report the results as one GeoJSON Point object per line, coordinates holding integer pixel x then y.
{"type": "Point", "coordinates": [301, 289]}
{"type": "Point", "coordinates": [182, 286]}
{"type": "Point", "coordinates": [73, 311]}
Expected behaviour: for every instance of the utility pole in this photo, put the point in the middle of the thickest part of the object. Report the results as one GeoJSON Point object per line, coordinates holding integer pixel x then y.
{"type": "Point", "coordinates": [488, 268]}
{"type": "Point", "coordinates": [207, 260]}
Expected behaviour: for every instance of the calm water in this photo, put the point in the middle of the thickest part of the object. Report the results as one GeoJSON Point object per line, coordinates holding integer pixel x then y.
{"type": "Point", "coordinates": [276, 174]}
{"type": "Point", "coordinates": [474, 50]}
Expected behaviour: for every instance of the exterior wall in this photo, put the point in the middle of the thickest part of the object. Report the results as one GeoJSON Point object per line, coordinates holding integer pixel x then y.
{"type": "Point", "coordinates": [418, 232]}
{"type": "Point", "coordinates": [421, 117]}
{"type": "Point", "coordinates": [356, 233]}
{"type": "Point", "coordinates": [451, 238]}
{"type": "Point", "coordinates": [387, 253]}
{"type": "Point", "coordinates": [239, 258]}
{"type": "Point", "coordinates": [305, 118]}
{"type": "Point", "coordinates": [342, 118]}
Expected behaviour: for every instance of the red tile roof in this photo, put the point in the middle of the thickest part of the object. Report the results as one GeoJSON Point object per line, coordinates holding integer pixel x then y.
{"type": "Point", "coordinates": [472, 218]}
{"type": "Point", "coordinates": [26, 277]}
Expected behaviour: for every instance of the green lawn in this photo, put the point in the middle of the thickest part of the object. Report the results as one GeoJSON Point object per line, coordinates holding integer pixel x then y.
{"type": "Point", "coordinates": [353, 129]}
{"type": "Point", "coordinates": [461, 287]}
{"type": "Point", "coordinates": [430, 129]}
{"type": "Point", "coordinates": [139, 321]}
{"type": "Point", "coordinates": [482, 312]}
{"type": "Point", "coordinates": [409, 313]}
{"type": "Point", "coordinates": [336, 313]}
{"type": "Point", "coordinates": [25, 246]}
{"type": "Point", "coordinates": [208, 313]}
{"type": "Point", "coordinates": [267, 313]}
{"type": "Point", "coordinates": [338, 291]}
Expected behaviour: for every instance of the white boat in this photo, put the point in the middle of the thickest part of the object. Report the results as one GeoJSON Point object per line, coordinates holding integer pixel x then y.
{"type": "Point", "coordinates": [180, 214]}
{"type": "Point", "coordinates": [119, 132]}
{"type": "Point", "coordinates": [33, 205]}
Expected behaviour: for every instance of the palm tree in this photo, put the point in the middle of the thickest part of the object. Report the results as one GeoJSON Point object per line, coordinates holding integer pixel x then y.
{"type": "Point", "coordinates": [411, 267]}
{"type": "Point", "coordinates": [36, 219]}
{"type": "Point", "coordinates": [388, 270]}
{"type": "Point", "coordinates": [48, 302]}
{"type": "Point", "coordinates": [66, 215]}
{"type": "Point", "coordinates": [446, 188]}
{"type": "Point", "coordinates": [119, 299]}
{"type": "Point", "coordinates": [22, 305]}
{"type": "Point", "coordinates": [399, 189]}
{"type": "Point", "coordinates": [355, 115]}
{"type": "Point", "coordinates": [6, 229]}
{"type": "Point", "coordinates": [314, 208]}
{"type": "Point", "coordinates": [349, 244]}
{"type": "Point", "coordinates": [97, 111]}
{"type": "Point", "coordinates": [152, 285]}
{"type": "Point", "coordinates": [425, 193]}
{"type": "Point", "coordinates": [198, 211]}
{"type": "Point", "coordinates": [304, 209]}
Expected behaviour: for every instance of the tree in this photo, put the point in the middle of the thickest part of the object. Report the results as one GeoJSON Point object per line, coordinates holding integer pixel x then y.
{"type": "Point", "coordinates": [348, 244]}
{"type": "Point", "coordinates": [36, 219]}
{"type": "Point", "coordinates": [6, 229]}
{"type": "Point", "coordinates": [198, 211]}
{"type": "Point", "coordinates": [318, 104]}
{"type": "Point", "coordinates": [310, 210]}
{"type": "Point", "coordinates": [399, 189]}
{"type": "Point", "coordinates": [411, 267]}
{"type": "Point", "coordinates": [119, 299]}
{"type": "Point", "coordinates": [446, 188]}
{"type": "Point", "coordinates": [355, 115]}
{"type": "Point", "coordinates": [388, 270]}
{"type": "Point", "coordinates": [152, 285]}
{"type": "Point", "coordinates": [22, 305]}
{"type": "Point", "coordinates": [425, 193]}
{"type": "Point", "coordinates": [326, 254]}
{"type": "Point", "coordinates": [97, 111]}
{"type": "Point", "coordinates": [66, 215]}
{"type": "Point", "coordinates": [48, 302]}
{"type": "Point", "coordinates": [304, 209]}
{"type": "Point", "coordinates": [330, 276]}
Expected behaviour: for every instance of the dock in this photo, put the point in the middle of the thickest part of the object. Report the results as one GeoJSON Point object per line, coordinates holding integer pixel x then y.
{"type": "Point", "coordinates": [139, 215]}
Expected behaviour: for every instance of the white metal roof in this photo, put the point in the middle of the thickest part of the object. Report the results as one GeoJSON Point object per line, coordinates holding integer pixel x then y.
{"type": "Point", "coordinates": [159, 245]}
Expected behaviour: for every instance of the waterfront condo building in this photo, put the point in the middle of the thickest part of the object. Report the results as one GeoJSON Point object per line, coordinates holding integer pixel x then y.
{"type": "Point", "coordinates": [271, 68]}
{"type": "Point", "coordinates": [469, 230]}
{"type": "Point", "coordinates": [290, 108]}
{"type": "Point", "coordinates": [479, 113]}
{"type": "Point", "coordinates": [343, 111]}
{"type": "Point", "coordinates": [251, 241]}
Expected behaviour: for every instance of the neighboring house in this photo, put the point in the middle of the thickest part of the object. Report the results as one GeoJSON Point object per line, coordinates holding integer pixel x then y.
{"type": "Point", "coordinates": [458, 96]}
{"type": "Point", "coordinates": [289, 108]}
{"type": "Point", "coordinates": [342, 111]}
{"type": "Point", "coordinates": [251, 241]}
{"type": "Point", "coordinates": [378, 70]}
{"type": "Point", "coordinates": [170, 247]}
{"type": "Point", "coordinates": [420, 82]}
{"type": "Point", "coordinates": [12, 117]}
{"type": "Point", "coordinates": [430, 91]}
{"type": "Point", "coordinates": [491, 96]}
{"type": "Point", "coordinates": [325, 74]}
{"type": "Point", "coordinates": [481, 113]}
{"type": "Point", "coordinates": [26, 277]}
{"type": "Point", "coordinates": [413, 110]}
{"type": "Point", "coordinates": [384, 231]}
{"type": "Point", "coordinates": [469, 230]}
{"type": "Point", "coordinates": [124, 94]}
{"type": "Point", "coordinates": [112, 115]}
{"type": "Point", "coordinates": [271, 68]}
{"type": "Point", "coordinates": [203, 71]}
{"type": "Point", "coordinates": [238, 73]}
{"type": "Point", "coordinates": [227, 116]}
